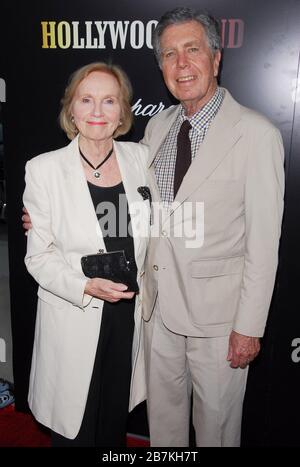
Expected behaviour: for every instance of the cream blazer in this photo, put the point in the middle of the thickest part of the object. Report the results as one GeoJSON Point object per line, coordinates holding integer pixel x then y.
{"type": "Point", "coordinates": [217, 248]}
{"type": "Point", "coordinates": [68, 322]}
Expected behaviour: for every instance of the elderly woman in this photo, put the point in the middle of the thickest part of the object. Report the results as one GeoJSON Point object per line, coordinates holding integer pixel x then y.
{"type": "Point", "coordinates": [87, 364]}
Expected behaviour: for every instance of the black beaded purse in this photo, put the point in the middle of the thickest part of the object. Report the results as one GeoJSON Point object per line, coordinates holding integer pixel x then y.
{"type": "Point", "coordinates": [113, 266]}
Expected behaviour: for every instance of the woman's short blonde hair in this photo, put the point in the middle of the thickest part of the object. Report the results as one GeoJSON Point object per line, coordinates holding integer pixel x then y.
{"type": "Point", "coordinates": [65, 117]}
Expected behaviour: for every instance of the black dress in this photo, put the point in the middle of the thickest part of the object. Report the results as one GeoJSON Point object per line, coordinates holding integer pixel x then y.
{"type": "Point", "coordinates": [105, 417]}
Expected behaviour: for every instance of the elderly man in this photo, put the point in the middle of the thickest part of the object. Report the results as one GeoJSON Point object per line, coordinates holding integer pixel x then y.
{"type": "Point", "coordinates": [216, 167]}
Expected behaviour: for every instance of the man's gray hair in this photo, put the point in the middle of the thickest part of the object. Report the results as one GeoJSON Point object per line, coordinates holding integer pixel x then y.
{"type": "Point", "coordinates": [183, 15]}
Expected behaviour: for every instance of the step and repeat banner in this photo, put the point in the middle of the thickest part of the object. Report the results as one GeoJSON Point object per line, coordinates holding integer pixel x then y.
{"type": "Point", "coordinates": [46, 41]}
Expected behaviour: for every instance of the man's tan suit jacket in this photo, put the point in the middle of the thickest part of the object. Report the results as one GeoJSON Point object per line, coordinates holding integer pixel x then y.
{"type": "Point", "coordinates": [212, 259]}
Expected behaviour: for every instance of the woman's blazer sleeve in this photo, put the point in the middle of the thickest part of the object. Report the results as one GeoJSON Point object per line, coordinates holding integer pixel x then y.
{"type": "Point", "coordinates": [44, 261]}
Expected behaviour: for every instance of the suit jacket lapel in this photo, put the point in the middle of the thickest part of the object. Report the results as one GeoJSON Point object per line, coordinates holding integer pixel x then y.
{"type": "Point", "coordinates": [161, 132]}
{"type": "Point", "coordinates": [84, 211]}
{"type": "Point", "coordinates": [221, 137]}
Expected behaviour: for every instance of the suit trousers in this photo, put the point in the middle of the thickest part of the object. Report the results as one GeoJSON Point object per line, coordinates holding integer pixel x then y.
{"type": "Point", "coordinates": [177, 366]}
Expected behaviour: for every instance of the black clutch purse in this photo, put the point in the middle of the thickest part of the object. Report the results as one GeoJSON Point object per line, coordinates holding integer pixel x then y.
{"type": "Point", "coordinates": [113, 266]}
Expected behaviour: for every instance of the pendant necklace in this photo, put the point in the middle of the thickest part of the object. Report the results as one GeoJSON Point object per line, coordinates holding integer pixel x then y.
{"type": "Point", "coordinates": [96, 173]}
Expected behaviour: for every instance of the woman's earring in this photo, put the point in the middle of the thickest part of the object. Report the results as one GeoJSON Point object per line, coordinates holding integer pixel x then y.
{"type": "Point", "coordinates": [72, 119]}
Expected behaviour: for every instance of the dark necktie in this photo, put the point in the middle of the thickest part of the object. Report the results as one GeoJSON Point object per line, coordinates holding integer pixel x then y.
{"type": "Point", "coordinates": [184, 154]}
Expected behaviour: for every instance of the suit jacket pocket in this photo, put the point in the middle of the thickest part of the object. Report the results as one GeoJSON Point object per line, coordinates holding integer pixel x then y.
{"type": "Point", "coordinates": [215, 290]}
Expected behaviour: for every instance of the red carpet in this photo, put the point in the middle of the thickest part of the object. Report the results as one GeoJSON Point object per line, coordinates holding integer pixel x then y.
{"type": "Point", "coordinates": [21, 430]}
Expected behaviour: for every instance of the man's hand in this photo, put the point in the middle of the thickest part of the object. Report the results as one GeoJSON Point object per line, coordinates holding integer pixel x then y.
{"type": "Point", "coordinates": [242, 349]}
{"type": "Point", "coordinates": [26, 220]}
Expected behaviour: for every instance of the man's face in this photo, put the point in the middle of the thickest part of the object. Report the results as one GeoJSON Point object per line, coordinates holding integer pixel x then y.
{"type": "Point", "coordinates": [189, 67]}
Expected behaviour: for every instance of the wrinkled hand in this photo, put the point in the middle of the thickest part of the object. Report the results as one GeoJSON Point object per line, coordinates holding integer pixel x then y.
{"type": "Point", "coordinates": [26, 220]}
{"type": "Point", "coordinates": [242, 349]}
{"type": "Point", "coordinates": [107, 290]}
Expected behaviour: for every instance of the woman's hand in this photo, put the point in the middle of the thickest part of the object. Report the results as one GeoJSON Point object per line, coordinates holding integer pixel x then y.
{"type": "Point", "coordinates": [107, 290]}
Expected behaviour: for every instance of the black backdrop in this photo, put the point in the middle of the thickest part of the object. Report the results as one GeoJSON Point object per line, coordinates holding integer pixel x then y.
{"type": "Point", "coordinates": [261, 70]}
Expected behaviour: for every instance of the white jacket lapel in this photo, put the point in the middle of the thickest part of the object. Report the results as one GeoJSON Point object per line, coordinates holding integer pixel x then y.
{"type": "Point", "coordinates": [84, 212]}
{"type": "Point", "coordinates": [132, 178]}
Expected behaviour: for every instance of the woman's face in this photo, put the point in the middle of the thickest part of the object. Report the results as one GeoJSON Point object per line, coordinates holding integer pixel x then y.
{"type": "Point", "coordinates": [96, 106]}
